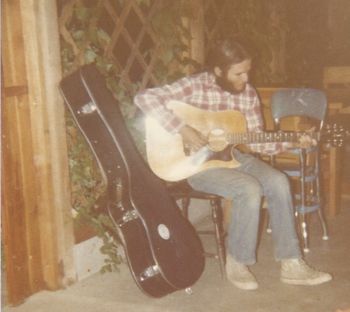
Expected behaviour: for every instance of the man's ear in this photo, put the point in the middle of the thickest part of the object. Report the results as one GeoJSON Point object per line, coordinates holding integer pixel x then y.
{"type": "Point", "coordinates": [217, 71]}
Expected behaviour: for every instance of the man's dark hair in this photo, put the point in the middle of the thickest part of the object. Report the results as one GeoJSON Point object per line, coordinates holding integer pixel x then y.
{"type": "Point", "coordinates": [227, 52]}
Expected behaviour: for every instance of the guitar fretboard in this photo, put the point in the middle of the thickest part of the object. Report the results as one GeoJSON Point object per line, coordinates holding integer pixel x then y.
{"type": "Point", "coordinates": [265, 137]}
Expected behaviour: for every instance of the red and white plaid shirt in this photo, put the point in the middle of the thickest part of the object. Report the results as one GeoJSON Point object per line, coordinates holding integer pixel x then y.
{"type": "Point", "coordinates": [202, 91]}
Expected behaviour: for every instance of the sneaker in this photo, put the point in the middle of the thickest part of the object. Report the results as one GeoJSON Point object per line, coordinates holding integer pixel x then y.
{"type": "Point", "coordinates": [239, 275]}
{"type": "Point", "coordinates": [297, 272]}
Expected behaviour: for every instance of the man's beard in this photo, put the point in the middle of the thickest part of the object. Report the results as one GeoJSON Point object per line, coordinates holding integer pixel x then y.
{"type": "Point", "coordinates": [226, 85]}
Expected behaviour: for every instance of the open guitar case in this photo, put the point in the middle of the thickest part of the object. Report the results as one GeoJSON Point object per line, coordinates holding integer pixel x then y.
{"type": "Point", "coordinates": [163, 250]}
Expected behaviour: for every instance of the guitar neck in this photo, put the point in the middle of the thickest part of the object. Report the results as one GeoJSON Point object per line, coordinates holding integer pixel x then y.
{"type": "Point", "coordinates": [266, 137]}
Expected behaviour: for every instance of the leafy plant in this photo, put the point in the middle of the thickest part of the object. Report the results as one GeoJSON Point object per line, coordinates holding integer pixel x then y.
{"type": "Point", "coordinates": [84, 41]}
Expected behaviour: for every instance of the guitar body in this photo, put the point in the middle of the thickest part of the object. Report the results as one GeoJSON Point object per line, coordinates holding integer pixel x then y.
{"type": "Point", "coordinates": [165, 152]}
{"type": "Point", "coordinates": [163, 250]}
{"type": "Point", "coordinates": [169, 161]}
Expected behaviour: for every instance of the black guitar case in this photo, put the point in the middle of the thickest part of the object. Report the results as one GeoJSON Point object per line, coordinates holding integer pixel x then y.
{"type": "Point", "coordinates": [163, 250]}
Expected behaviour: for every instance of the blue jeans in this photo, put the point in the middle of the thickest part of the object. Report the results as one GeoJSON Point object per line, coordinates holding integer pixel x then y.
{"type": "Point", "coordinates": [246, 185]}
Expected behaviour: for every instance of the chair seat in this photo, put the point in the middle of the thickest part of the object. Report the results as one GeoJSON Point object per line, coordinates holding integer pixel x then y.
{"type": "Point", "coordinates": [293, 170]}
{"type": "Point", "coordinates": [307, 209]}
{"type": "Point", "coordinates": [183, 189]}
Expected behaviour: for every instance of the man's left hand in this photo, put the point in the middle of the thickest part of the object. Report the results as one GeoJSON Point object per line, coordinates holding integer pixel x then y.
{"type": "Point", "coordinates": [306, 140]}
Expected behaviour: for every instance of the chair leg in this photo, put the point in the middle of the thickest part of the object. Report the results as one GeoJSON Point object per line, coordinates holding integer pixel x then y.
{"type": "Point", "coordinates": [303, 201]}
{"type": "Point", "coordinates": [268, 227]}
{"type": "Point", "coordinates": [185, 203]}
{"type": "Point", "coordinates": [323, 224]}
{"type": "Point", "coordinates": [304, 232]}
{"type": "Point", "coordinates": [220, 244]}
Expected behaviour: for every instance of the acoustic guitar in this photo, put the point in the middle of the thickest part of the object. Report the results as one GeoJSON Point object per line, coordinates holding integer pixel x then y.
{"type": "Point", "coordinates": [167, 156]}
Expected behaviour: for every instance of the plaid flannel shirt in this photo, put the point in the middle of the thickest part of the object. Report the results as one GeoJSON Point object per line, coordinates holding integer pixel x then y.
{"type": "Point", "coordinates": [202, 91]}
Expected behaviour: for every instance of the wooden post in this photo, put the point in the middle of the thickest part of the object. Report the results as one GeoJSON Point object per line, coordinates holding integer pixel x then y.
{"type": "Point", "coordinates": [278, 63]}
{"type": "Point", "coordinates": [36, 205]}
{"type": "Point", "coordinates": [333, 183]}
{"type": "Point", "coordinates": [18, 201]}
{"type": "Point", "coordinates": [338, 26]}
{"type": "Point", "coordinates": [197, 45]}
{"type": "Point", "coordinates": [49, 142]}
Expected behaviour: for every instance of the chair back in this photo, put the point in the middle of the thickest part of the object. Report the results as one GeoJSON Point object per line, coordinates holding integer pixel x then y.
{"type": "Point", "coordinates": [304, 102]}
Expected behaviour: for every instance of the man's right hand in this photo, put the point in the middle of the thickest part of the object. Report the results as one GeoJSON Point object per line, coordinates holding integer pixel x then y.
{"type": "Point", "coordinates": [192, 139]}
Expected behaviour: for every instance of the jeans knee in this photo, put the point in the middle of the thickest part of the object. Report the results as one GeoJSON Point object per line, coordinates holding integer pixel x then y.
{"type": "Point", "coordinates": [278, 186]}
{"type": "Point", "coordinates": [281, 181]}
{"type": "Point", "coordinates": [252, 192]}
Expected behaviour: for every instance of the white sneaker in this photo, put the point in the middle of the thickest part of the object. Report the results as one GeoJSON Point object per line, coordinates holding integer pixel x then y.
{"type": "Point", "coordinates": [297, 272]}
{"type": "Point", "coordinates": [239, 275]}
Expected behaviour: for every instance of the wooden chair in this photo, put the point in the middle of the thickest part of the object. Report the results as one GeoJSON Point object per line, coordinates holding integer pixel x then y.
{"type": "Point", "coordinates": [184, 193]}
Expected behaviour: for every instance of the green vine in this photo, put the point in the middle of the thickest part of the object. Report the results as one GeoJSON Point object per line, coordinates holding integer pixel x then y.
{"type": "Point", "coordinates": [89, 42]}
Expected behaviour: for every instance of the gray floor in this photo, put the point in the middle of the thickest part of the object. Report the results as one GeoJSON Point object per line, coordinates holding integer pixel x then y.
{"type": "Point", "coordinates": [118, 292]}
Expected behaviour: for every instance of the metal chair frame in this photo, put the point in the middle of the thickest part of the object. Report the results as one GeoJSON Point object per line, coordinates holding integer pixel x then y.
{"type": "Point", "coordinates": [311, 103]}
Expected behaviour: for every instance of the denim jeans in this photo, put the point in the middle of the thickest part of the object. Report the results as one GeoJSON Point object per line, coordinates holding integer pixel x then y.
{"type": "Point", "coordinates": [246, 185]}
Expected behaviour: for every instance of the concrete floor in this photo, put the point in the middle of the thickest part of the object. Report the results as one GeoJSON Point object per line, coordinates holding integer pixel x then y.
{"type": "Point", "coordinates": [118, 292]}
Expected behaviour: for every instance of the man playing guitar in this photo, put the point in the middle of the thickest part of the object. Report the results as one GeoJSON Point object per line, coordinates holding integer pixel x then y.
{"type": "Point", "coordinates": [224, 87]}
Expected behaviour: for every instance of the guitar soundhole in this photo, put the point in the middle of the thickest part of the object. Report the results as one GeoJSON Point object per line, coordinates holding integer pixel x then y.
{"type": "Point", "coordinates": [163, 231]}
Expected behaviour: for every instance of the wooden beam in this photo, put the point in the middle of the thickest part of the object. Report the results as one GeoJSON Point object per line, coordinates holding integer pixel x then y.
{"type": "Point", "coordinates": [197, 31]}
{"type": "Point", "coordinates": [19, 208]}
{"type": "Point", "coordinates": [42, 58]}
{"type": "Point", "coordinates": [15, 91]}
{"type": "Point", "coordinates": [22, 258]}
{"type": "Point", "coordinates": [38, 230]}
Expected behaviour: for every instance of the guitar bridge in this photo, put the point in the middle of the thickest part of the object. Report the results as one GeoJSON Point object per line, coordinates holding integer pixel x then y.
{"type": "Point", "coordinates": [149, 272]}
{"type": "Point", "coordinates": [127, 217]}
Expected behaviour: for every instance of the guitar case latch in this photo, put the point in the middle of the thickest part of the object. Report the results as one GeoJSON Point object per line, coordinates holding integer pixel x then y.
{"type": "Point", "coordinates": [128, 216]}
{"type": "Point", "coordinates": [87, 108]}
{"type": "Point", "coordinates": [149, 272]}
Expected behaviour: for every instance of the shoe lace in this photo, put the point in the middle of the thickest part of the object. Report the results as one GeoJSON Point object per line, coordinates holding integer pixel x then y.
{"type": "Point", "coordinates": [306, 267]}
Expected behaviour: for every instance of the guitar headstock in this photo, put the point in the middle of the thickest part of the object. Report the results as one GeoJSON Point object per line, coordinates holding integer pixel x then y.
{"type": "Point", "coordinates": [334, 134]}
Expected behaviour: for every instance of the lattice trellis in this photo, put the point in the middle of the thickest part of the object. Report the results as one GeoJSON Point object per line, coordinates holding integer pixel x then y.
{"type": "Point", "coordinates": [133, 43]}
{"type": "Point", "coordinates": [134, 46]}
{"type": "Point", "coordinates": [214, 11]}
{"type": "Point", "coordinates": [132, 39]}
